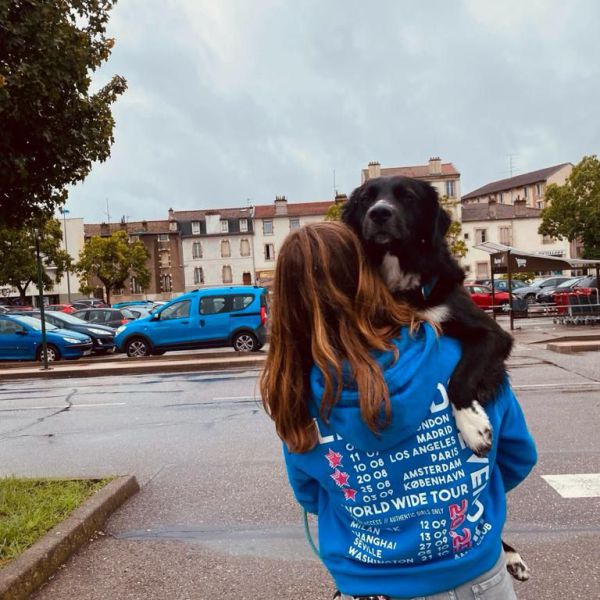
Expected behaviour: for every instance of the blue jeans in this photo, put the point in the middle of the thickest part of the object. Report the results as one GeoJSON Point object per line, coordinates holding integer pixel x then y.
{"type": "Point", "coordinates": [495, 584]}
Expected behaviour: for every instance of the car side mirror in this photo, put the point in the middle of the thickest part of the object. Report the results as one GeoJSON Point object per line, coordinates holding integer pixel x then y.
{"type": "Point", "coordinates": [155, 317]}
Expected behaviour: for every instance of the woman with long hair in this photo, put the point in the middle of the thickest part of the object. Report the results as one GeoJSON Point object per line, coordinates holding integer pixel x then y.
{"type": "Point", "coordinates": [355, 384]}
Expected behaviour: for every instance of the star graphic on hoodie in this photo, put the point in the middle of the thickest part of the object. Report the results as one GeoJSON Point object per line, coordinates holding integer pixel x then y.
{"type": "Point", "coordinates": [334, 458]}
{"type": "Point", "coordinates": [349, 494]}
{"type": "Point", "coordinates": [340, 478]}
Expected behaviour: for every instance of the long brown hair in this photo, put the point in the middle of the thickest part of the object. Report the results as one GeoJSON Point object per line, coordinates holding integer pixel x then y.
{"type": "Point", "coordinates": [329, 307]}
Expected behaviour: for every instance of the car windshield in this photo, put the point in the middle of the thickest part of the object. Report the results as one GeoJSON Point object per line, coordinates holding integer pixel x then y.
{"type": "Point", "coordinates": [67, 318]}
{"type": "Point", "coordinates": [569, 282]}
{"type": "Point", "coordinates": [34, 323]}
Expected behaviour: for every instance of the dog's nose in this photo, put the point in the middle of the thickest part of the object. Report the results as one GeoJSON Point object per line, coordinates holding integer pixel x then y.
{"type": "Point", "coordinates": [379, 214]}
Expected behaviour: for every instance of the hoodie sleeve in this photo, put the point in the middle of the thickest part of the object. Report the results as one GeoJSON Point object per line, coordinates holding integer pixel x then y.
{"type": "Point", "coordinates": [305, 488]}
{"type": "Point", "coordinates": [516, 454]}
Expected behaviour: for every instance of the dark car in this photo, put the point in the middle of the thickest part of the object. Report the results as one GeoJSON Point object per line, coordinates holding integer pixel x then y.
{"type": "Point", "coordinates": [501, 285]}
{"type": "Point", "coordinates": [89, 303]}
{"type": "Point", "coordinates": [111, 317]}
{"type": "Point", "coordinates": [103, 338]}
{"type": "Point", "coordinates": [529, 292]}
{"type": "Point", "coordinates": [545, 296]}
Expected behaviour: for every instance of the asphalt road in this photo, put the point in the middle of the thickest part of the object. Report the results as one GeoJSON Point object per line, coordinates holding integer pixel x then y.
{"type": "Point", "coordinates": [215, 517]}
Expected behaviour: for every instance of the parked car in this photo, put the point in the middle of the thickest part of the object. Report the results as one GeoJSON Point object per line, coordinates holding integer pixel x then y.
{"type": "Point", "coordinates": [529, 292]}
{"type": "Point", "coordinates": [204, 318]}
{"type": "Point", "coordinates": [501, 285]}
{"type": "Point", "coordinates": [545, 296]}
{"type": "Point", "coordinates": [66, 308]}
{"type": "Point", "coordinates": [103, 338]}
{"type": "Point", "coordinates": [139, 312]}
{"type": "Point", "coordinates": [130, 303]}
{"type": "Point", "coordinates": [89, 303]}
{"type": "Point", "coordinates": [21, 339]}
{"type": "Point", "coordinates": [111, 317]}
{"type": "Point", "coordinates": [500, 301]}
{"type": "Point", "coordinates": [585, 285]}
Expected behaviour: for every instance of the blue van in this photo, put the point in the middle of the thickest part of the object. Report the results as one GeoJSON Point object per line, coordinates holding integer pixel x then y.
{"type": "Point", "coordinates": [204, 318]}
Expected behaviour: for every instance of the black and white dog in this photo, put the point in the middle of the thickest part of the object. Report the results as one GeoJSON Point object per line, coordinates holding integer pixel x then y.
{"type": "Point", "coordinates": [403, 228]}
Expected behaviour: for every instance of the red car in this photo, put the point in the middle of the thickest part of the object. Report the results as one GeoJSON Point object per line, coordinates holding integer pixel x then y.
{"type": "Point", "coordinates": [482, 296]}
{"type": "Point", "coordinates": [66, 308]}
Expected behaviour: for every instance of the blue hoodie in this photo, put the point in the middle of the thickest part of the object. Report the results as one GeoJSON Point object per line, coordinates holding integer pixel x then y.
{"type": "Point", "coordinates": [411, 511]}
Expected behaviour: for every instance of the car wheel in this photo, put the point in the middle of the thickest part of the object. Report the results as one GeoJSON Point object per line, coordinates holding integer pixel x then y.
{"type": "Point", "coordinates": [245, 342]}
{"type": "Point", "coordinates": [137, 348]}
{"type": "Point", "coordinates": [53, 353]}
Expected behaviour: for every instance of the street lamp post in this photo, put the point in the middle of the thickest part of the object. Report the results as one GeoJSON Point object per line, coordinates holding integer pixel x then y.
{"type": "Point", "coordinates": [41, 298]}
{"type": "Point", "coordinates": [65, 211]}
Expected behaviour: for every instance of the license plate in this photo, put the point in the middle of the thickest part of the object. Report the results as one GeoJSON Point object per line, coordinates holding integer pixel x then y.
{"type": "Point", "coordinates": [87, 352]}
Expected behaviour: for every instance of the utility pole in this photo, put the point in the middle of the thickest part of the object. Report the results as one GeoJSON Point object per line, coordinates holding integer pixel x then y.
{"type": "Point", "coordinates": [41, 298]}
{"type": "Point", "coordinates": [65, 212]}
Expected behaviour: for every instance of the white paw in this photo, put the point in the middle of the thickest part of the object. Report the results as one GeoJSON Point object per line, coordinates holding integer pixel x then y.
{"type": "Point", "coordinates": [516, 566]}
{"type": "Point", "coordinates": [475, 428]}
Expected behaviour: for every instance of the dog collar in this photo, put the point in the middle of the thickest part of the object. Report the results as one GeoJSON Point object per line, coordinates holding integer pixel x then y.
{"type": "Point", "coordinates": [427, 288]}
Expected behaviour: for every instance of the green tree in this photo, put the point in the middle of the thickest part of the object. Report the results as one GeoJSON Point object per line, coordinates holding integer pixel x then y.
{"type": "Point", "coordinates": [454, 237]}
{"type": "Point", "coordinates": [18, 267]}
{"type": "Point", "coordinates": [573, 209]}
{"type": "Point", "coordinates": [112, 260]}
{"type": "Point", "coordinates": [52, 127]}
{"type": "Point", "coordinates": [334, 212]}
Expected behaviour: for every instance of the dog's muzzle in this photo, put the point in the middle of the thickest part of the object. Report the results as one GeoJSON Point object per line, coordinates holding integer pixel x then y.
{"type": "Point", "coordinates": [380, 223]}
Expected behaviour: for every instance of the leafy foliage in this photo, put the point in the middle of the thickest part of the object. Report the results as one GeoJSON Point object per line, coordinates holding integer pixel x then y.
{"type": "Point", "coordinates": [573, 210]}
{"type": "Point", "coordinates": [53, 128]}
{"type": "Point", "coordinates": [112, 260]}
{"type": "Point", "coordinates": [18, 267]}
{"type": "Point", "coordinates": [334, 212]}
{"type": "Point", "coordinates": [454, 237]}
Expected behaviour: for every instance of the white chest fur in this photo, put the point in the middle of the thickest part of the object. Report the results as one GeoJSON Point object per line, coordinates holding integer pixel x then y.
{"type": "Point", "coordinates": [396, 279]}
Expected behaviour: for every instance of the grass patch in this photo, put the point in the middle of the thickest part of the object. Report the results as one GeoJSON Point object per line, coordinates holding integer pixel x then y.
{"type": "Point", "coordinates": [31, 507]}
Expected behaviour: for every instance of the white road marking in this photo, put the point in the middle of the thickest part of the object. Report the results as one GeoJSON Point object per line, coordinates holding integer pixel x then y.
{"type": "Point", "coordinates": [581, 485]}
{"type": "Point", "coordinates": [257, 397]}
{"type": "Point", "coordinates": [17, 408]}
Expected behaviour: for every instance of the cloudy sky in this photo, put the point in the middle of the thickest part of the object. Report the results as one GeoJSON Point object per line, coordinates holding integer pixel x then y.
{"type": "Point", "coordinates": [237, 101]}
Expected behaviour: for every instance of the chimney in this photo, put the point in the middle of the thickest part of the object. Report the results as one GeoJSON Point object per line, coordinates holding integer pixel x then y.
{"type": "Point", "coordinates": [144, 225]}
{"type": "Point", "coordinates": [341, 199]}
{"type": "Point", "coordinates": [280, 205]}
{"type": "Point", "coordinates": [435, 165]}
{"type": "Point", "coordinates": [374, 170]}
{"type": "Point", "coordinates": [104, 229]}
{"type": "Point", "coordinates": [492, 207]}
{"type": "Point", "coordinates": [520, 207]}
{"type": "Point", "coordinates": [171, 214]}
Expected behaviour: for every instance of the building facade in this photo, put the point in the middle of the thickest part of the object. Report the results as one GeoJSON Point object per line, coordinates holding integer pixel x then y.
{"type": "Point", "coordinates": [529, 187]}
{"type": "Point", "coordinates": [272, 224]}
{"type": "Point", "coordinates": [216, 246]}
{"type": "Point", "coordinates": [513, 225]}
{"type": "Point", "coordinates": [165, 261]}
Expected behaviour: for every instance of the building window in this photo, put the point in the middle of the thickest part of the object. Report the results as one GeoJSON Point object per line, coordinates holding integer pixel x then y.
{"type": "Point", "coordinates": [165, 283]}
{"type": "Point", "coordinates": [294, 223]}
{"type": "Point", "coordinates": [224, 226]}
{"type": "Point", "coordinates": [244, 247]}
{"type": "Point", "coordinates": [196, 250]}
{"type": "Point", "coordinates": [225, 248]}
{"type": "Point", "coordinates": [480, 236]}
{"type": "Point", "coordinates": [136, 288]}
{"type": "Point", "coordinates": [195, 227]}
{"type": "Point", "coordinates": [134, 238]}
{"type": "Point", "coordinates": [163, 237]}
{"type": "Point", "coordinates": [540, 204]}
{"type": "Point", "coordinates": [198, 275]}
{"type": "Point", "coordinates": [269, 252]}
{"type": "Point", "coordinates": [267, 227]}
{"type": "Point", "coordinates": [227, 276]}
{"type": "Point", "coordinates": [501, 197]}
{"type": "Point", "coordinates": [165, 260]}
{"type": "Point", "coordinates": [525, 191]}
{"type": "Point", "coordinates": [466, 236]}
{"type": "Point", "coordinates": [450, 191]}
{"type": "Point", "coordinates": [539, 189]}
{"type": "Point", "coordinates": [482, 270]}
{"type": "Point", "coordinates": [505, 236]}
{"type": "Point", "coordinates": [243, 225]}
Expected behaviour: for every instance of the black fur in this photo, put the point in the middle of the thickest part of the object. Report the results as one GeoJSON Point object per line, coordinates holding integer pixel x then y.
{"type": "Point", "coordinates": [414, 232]}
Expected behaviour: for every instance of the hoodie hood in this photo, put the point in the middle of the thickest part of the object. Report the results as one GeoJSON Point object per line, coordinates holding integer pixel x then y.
{"type": "Point", "coordinates": [424, 360]}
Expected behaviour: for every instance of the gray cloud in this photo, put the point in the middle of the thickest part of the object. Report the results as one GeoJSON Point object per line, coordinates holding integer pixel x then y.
{"type": "Point", "coordinates": [232, 100]}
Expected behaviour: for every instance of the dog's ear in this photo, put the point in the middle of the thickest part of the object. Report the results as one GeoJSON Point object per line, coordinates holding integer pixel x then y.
{"type": "Point", "coordinates": [350, 211]}
{"type": "Point", "coordinates": [441, 219]}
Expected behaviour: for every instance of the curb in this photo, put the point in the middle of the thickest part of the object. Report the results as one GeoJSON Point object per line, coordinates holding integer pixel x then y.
{"type": "Point", "coordinates": [573, 347]}
{"type": "Point", "coordinates": [26, 573]}
{"type": "Point", "coordinates": [132, 368]}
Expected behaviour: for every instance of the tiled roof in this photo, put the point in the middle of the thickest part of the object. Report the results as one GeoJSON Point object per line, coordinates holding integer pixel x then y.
{"type": "Point", "coordinates": [417, 172]}
{"type": "Point", "coordinates": [514, 182]}
{"type": "Point", "coordinates": [481, 212]}
{"type": "Point", "coordinates": [299, 209]}
{"type": "Point", "coordinates": [133, 227]}
{"type": "Point", "coordinates": [199, 215]}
